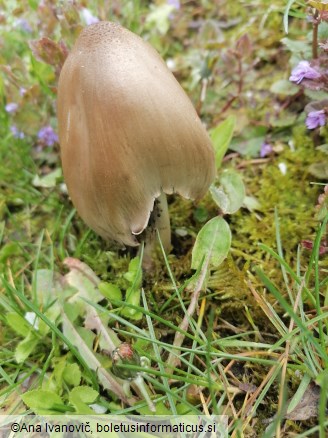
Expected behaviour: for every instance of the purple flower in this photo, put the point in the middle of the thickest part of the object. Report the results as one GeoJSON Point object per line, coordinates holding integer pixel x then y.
{"type": "Point", "coordinates": [266, 150]}
{"type": "Point", "coordinates": [24, 25]}
{"type": "Point", "coordinates": [174, 3]}
{"type": "Point", "coordinates": [88, 17]}
{"type": "Point", "coordinates": [47, 136]}
{"type": "Point", "coordinates": [315, 119]}
{"type": "Point", "coordinates": [16, 133]}
{"type": "Point", "coordinates": [303, 70]}
{"type": "Point", "coordinates": [11, 107]}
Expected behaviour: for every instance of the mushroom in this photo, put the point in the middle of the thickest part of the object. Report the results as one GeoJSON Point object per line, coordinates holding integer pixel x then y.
{"type": "Point", "coordinates": [129, 135]}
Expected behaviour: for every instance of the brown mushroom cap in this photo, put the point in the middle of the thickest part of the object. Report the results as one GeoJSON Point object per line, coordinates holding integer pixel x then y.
{"type": "Point", "coordinates": [127, 132]}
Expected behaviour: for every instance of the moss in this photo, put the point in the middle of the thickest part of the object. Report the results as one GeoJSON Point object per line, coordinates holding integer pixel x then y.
{"type": "Point", "coordinates": [291, 194]}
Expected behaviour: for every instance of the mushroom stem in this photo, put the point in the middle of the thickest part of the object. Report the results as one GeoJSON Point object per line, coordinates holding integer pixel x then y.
{"type": "Point", "coordinates": [159, 220]}
{"type": "Point", "coordinates": [162, 222]}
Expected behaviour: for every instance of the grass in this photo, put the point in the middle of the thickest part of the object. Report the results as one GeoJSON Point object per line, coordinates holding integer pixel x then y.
{"type": "Point", "coordinates": [255, 348]}
{"type": "Point", "coordinates": [297, 356]}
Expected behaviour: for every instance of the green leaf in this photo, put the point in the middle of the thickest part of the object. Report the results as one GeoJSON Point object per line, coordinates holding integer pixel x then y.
{"type": "Point", "coordinates": [25, 347]}
{"type": "Point", "coordinates": [43, 279]}
{"type": "Point", "coordinates": [316, 94]}
{"type": "Point", "coordinates": [132, 297]}
{"type": "Point", "coordinates": [322, 378]}
{"type": "Point", "coordinates": [250, 142]}
{"type": "Point", "coordinates": [33, 4]}
{"type": "Point", "coordinates": [221, 137]}
{"type": "Point", "coordinates": [72, 374]}
{"type": "Point", "coordinates": [231, 193]}
{"type": "Point", "coordinates": [251, 203]}
{"type": "Point", "coordinates": [41, 399]}
{"type": "Point", "coordinates": [134, 274]}
{"type": "Point", "coordinates": [183, 409]}
{"type": "Point", "coordinates": [319, 170]}
{"type": "Point", "coordinates": [201, 214]}
{"type": "Point", "coordinates": [87, 335]}
{"type": "Point", "coordinates": [80, 397]}
{"type": "Point", "coordinates": [161, 409]}
{"type": "Point", "coordinates": [322, 30]}
{"type": "Point", "coordinates": [213, 241]}
{"type": "Point", "coordinates": [84, 393]}
{"type": "Point", "coordinates": [18, 324]}
{"type": "Point", "coordinates": [110, 291]}
{"type": "Point", "coordinates": [31, 306]}
{"type": "Point", "coordinates": [295, 400]}
{"type": "Point", "coordinates": [59, 366]}
{"type": "Point", "coordinates": [296, 46]}
{"type": "Point", "coordinates": [47, 288]}
{"type": "Point", "coordinates": [321, 6]}
{"type": "Point", "coordinates": [47, 181]}
{"type": "Point", "coordinates": [159, 17]}
{"type": "Point", "coordinates": [283, 120]}
{"type": "Point", "coordinates": [8, 250]}
{"type": "Point", "coordinates": [71, 310]}
{"type": "Point", "coordinates": [323, 148]}
{"type": "Point", "coordinates": [284, 88]}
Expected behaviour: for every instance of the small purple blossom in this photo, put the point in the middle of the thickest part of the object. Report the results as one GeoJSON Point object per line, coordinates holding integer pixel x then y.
{"type": "Point", "coordinates": [11, 107]}
{"type": "Point", "coordinates": [174, 3]}
{"type": "Point", "coordinates": [315, 119]}
{"type": "Point", "coordinates": [266, 150]}
{"type": "Point", "coordinates": [47, 136]}
{"type": "Point", "coordinates": [303, 70]}
{"type": "Point", "coordinates": [88, 17]}
{"type": "Point", "coordinates": [16, 133]}
{"type": "Point", "coordinates": [22, 91]}
{"type": "Point", "coordinates": [24, 25]}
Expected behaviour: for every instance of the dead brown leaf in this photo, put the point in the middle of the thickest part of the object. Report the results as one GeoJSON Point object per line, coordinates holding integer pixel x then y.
{"type": "Point", "coordinates": [308, 406]}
